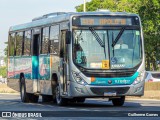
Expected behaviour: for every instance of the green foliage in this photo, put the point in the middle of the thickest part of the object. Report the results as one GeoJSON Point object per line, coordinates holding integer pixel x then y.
{"type": "Point", "coordinates": [113, 5]}
{"type": "Point", "coordinates": [150, 15]}
{"type": "Point", "coordinates": [3, 72]}
{"type": "Point", "coordinates": [149, 11]}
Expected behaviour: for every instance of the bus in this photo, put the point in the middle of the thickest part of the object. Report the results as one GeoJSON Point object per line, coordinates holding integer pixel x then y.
{"type": "Point", "coordinates": [68, 57]}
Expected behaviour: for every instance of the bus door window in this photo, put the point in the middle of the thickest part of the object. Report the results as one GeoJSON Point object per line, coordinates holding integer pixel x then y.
{"type": "Point", "coordinates": [35, 46]}
{"type": "Point", "coordinates": [54, 40]}
{"type": "Point", "coordinates": [45, 41]}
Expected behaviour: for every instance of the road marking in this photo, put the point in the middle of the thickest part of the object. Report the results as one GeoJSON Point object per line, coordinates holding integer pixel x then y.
{"type": "Point", "coordinates": [72, 108]}
{"type": "Point", "coordinates": [141, 99]}
{"type": "Point", "coordinates": [84, 109]}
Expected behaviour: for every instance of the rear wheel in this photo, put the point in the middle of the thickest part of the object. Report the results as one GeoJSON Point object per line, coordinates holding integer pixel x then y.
{"type": "Point", "coordinates": [118, 101]}
{"type": "Point", "coordinates": [60, 101]}
{"type": "Point", "coordinates": [26, 97]}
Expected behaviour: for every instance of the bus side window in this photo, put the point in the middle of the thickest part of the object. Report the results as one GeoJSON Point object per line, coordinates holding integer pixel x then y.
{"type": "Point", "coordinates": [19, 40]}
{"type": "Point", "coordinates": [54, 40]}
{"type": "Point", "coordinates": [11, 44]}
{"type": "Point", "coordinates": [45, 40]}
{"type": "Point", "coordinates": [27, 43]}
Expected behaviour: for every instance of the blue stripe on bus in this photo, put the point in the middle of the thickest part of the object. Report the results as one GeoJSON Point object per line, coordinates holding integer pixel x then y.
{"type": "Point", "coordinates": [35, 66]}
{"type": "Point", "coordinates": [115, 81]}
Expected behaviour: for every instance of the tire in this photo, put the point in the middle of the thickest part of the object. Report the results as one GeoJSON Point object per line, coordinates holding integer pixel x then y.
{"type": "Point", "coordinates": [26, 97]}
{"type": "Point", "coordinates": [118, 101]}
{"type": "Point", "coordinates": [59, 100]}
{"type": "Point", "coordinates": [47, 98]}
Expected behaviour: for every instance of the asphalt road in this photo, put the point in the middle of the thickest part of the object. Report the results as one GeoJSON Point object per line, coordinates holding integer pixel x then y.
{"type": "Point", "coordinates": [91, 109]}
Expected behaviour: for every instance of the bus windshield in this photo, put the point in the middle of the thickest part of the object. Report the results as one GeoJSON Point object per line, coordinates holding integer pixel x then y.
{"type": "Point", "coordinates": [92, 47]}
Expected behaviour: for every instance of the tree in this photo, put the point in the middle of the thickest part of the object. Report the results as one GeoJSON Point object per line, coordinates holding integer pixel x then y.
{"type": "Point", "coordinates": [149, 11]}
{"type": "Point", "coordinates": [150, 15]}
{"type": "Point", "coordinates": [3, 72]}
{"type": "Point", "coordinates": [113, 5]}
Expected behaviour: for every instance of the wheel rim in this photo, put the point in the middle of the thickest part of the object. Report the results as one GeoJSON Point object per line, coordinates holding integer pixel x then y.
{"type": "Point", "coordinates": [58, 98]}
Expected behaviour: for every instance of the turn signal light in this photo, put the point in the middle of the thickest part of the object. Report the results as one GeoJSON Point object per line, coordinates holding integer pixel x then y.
{"type": "Point", "coordinates": [93, 79]}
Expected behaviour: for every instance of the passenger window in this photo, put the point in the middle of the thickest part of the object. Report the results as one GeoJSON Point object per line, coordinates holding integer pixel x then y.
{"type": "Point", "coordinates": [27, 43]}
{"type": "Point", "coordinates": [19, 39]}
{"type": "Point", "coordinates": [11, 44]}
{"type": "Point", "coordinates": [54, 40]}
{"type": "Point", "coordinates": [45, 40]}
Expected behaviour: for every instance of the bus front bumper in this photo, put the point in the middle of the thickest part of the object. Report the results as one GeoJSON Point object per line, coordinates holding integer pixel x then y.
{"type": "Point", "coordinates": [77, 90]}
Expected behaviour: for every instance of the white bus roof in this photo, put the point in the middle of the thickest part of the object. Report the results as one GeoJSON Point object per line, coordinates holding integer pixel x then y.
{"type": "Point", "coordinates": [61, 16]}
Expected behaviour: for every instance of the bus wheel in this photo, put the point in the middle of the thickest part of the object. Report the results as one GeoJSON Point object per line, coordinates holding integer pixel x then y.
{"type": "Point", "coordinates": [118, 101]}
{"type": "Point", "coordinates": [24, 95]}
{"type": "Point", "coordinates": [60, 101]}
{"type": "Point", "coordinates": [47, 98]}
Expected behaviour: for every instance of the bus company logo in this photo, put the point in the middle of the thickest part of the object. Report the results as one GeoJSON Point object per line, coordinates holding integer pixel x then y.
{"type": "Point", "coordinates": [113, 60]}
{"type": "Point", "coordinates": [109, 81]}
{"type": "Point", "coordinates": [6, 114]}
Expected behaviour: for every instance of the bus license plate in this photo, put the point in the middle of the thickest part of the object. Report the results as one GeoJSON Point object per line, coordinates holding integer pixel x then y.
{"type": "Point", "coordinates": [110, 93]}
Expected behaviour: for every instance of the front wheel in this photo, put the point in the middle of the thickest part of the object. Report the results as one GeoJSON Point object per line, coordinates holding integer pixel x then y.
{"type": "Point", "coordinates": [60, 101]}
{"type": "Point", "coordinates": [118, 101]}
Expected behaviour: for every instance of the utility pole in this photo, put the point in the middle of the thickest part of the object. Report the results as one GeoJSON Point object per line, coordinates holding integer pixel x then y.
{"type": "Point", "coordinates": [84, 6]}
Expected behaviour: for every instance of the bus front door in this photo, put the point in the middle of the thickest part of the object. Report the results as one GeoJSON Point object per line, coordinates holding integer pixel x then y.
{"type": "Point", "coordinates": [63, 62]}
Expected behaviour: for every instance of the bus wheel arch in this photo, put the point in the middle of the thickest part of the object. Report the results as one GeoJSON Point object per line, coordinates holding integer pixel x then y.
{"type": "Point", "coordinates": [56, 91]}
{"type": "Point", "coordinates": [54, 82]}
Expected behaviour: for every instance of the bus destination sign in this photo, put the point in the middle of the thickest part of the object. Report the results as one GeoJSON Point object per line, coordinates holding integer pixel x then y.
{"type": "Point", "coordinates": [105, 21]}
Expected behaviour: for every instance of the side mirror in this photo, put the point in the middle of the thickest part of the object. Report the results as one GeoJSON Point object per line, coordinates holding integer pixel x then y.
{"type": "Point", "coordinates": [68, 37]}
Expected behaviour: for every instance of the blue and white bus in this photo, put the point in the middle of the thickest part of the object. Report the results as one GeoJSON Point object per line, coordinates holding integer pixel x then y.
{"type": "Point", "coordinates": [68, 57]}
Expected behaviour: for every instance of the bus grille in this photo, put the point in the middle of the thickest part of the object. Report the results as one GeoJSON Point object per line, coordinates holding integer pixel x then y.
{"type": "Point", "coordinates": [101, 91]}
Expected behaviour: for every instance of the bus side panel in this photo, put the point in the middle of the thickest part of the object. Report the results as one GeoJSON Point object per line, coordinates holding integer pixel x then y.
{"type": "Point", "coordinates": [23, 65]}
{"type": "Point", "coordinates": [54, 64]}
{"type": "Point", "coordinates": [16, 66]}
{"type": "Point", "coordinates": [26, 67]}
{"type": "Point", "coordinates": [44, 74]}
{"type": "Point", "coordinates": [12, 82]}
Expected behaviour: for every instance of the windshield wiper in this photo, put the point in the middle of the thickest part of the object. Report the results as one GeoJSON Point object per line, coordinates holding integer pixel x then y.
{"type": "Point", "coordinates": [97, 37]}
{"type": "Point", "coordinates": [118, 36]}
{"type": "Point", "coordinates": [102, 43]}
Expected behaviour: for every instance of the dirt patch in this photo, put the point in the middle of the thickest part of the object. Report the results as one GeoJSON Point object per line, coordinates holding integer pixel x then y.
{"type": "Point", "coordinates": [5, 89]}
{"type": "Point", "coordinates": [152, 94]}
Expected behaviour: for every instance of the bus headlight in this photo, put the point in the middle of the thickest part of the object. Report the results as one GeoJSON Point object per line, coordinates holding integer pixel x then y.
{"type": "Point", "coordinates": [139, 78]}
{"type": "Point", "coordinates": [78, 78]}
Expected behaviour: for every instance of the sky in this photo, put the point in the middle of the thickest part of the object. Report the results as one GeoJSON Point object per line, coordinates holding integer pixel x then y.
{"type": "Point", "coordinates": [13, 12]}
